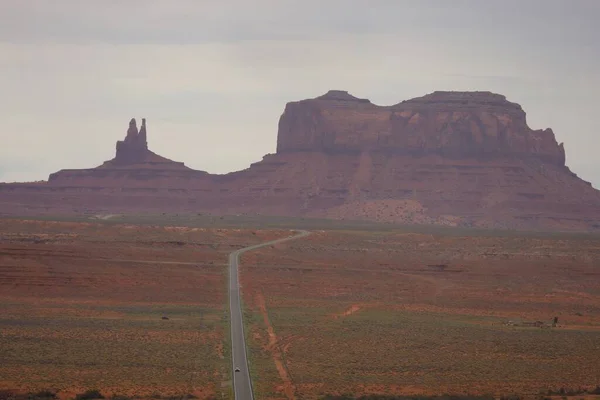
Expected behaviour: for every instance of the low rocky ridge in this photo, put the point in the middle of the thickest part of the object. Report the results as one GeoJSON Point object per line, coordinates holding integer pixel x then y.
{"type": "Point", "coordinates": [452, 158]}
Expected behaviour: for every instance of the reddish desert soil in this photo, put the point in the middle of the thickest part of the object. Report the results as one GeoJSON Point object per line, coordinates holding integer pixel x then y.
{"type": "Point", "coordinates": [82, 306]}
{"type": "Point", "coordinates": [274, 346]}
{"type": "Point", "coordinates": [336, 312]}
{"type": "Point", "coordinates": [401, 313]}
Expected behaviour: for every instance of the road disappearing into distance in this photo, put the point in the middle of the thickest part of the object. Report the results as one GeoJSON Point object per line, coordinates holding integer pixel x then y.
{"type": "Point", "coordinates": [242, 384]}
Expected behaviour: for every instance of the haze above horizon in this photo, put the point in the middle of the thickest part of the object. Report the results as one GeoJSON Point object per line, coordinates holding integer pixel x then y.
{"type": "Point", "coordinates": [212, 79]}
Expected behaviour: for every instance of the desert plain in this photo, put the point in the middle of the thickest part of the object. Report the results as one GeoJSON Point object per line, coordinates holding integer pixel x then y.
{"type": "Point", "coordinates": [138, 308]}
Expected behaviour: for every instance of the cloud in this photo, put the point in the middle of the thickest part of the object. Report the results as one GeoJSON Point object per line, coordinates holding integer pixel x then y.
{"type": "Point", "coordinates": [194, 22]}
{"type": "Point", "coordinates": [213, 77]}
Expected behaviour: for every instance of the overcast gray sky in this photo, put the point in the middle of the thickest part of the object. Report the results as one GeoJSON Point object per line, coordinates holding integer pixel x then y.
{"type": "Point", "coordinates": [213, 77]}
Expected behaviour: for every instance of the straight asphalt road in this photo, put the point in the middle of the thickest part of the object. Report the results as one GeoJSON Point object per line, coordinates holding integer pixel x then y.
{"type": "Point", "coordinates": [242, 384]}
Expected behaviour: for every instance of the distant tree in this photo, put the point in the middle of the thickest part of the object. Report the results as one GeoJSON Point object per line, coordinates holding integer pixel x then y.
{"type": "Point", "coordinates": [89, 395]}
{"type": "Point", "coordinates": [43, 394]}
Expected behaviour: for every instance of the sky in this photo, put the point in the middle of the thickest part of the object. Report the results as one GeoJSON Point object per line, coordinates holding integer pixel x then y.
{"type": "Point", "coordinates": [212, 77]}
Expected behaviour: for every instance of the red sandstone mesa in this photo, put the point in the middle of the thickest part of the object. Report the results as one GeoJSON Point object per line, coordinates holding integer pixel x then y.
{"type": "Point", "coordinates": [453, 158]}
{"type": "Point", "coordinates": [458, 125]}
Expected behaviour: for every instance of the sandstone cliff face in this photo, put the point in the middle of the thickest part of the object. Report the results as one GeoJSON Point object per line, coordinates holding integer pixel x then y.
{"type": "Point", "coordinates": [451, 124]}
{"type": "Point", "coordinates": [133, 165]}
{"type": "Point", "coordinates": [451, 158]}
{"type": "Point", "coordinates": [134, 148]}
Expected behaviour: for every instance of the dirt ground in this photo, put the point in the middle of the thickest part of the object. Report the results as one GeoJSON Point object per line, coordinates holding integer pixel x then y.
{"type": "Point", "coordinates": [130, 310]}
{"type": "Point", "coordinates": [399, 313]}
{"type": "Point", "coordinates": [389, 312]}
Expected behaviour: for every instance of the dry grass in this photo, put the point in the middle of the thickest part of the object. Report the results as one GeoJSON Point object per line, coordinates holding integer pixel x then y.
{"type": "Point", "coordinates": [399, 313]}
{"type": "Point", "coordinates": [82, 306]}
{"type": "Point", "coordinates": [358, 312]}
